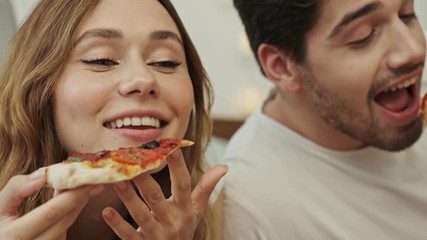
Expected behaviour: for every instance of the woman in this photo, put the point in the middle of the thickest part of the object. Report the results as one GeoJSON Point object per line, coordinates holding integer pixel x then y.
{"type": "Point", "coordinates": [74, 70]}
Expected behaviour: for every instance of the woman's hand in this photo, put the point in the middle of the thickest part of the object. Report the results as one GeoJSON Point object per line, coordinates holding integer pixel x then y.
{"type": "Point", "coordinates": [49, 221]}
{"type": "Point", "coordinates": [173, 218]}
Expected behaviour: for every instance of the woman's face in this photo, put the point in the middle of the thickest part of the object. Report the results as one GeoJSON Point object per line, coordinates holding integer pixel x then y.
{"type": "Point", "coordinates": [126, 81]}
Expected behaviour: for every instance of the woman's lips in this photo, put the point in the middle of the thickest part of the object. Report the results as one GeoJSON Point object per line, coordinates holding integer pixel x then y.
{"type": "Point", "coordinates": [138, 135]}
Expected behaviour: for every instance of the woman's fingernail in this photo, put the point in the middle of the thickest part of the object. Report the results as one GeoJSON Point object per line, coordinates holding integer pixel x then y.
{"type": "Point", "coordinates": [38, 174]}
{"type": "Point", "coordinates": [122, 186]}
{"type": "Point", "coordinates": [96, 190]}
{"type": "Point", "coordinates": [175, 155]}
{"type": "Point", "coordinates": [108, 214]}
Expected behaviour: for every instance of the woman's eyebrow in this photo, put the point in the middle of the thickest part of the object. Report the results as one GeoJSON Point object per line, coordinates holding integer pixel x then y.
{"type": "Point", "coordinates": [164, 34]}
{"type": "Point", "coordinates": [107, 33]}
{"type": "Point", "coordinates": [111, 33]}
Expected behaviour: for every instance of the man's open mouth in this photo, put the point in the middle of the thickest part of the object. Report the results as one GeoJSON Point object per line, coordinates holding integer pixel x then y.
{"type": "Point", "coordinates": [399, 97]}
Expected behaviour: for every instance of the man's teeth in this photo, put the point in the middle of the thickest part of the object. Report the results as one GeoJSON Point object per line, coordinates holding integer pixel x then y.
{"type": "Point", "coordinates": [402, 85]}
{"type": "Point", "coordinates": [134, 121]}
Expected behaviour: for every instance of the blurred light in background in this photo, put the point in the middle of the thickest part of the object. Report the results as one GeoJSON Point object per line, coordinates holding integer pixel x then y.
{"type": "Point", "coordinates": [244, 45]}
{"type": "Point", "coordinates": [248, 100]}
{"type": "Point", "coordinates": [228, 2]}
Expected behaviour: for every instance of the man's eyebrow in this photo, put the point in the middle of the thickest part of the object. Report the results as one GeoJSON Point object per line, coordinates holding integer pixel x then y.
{"type": "Point", "coordinates": [107, 33]}
{"type": "Point", "coordinates": [163, 34]}
{"type": "Point", "coordinates": [352, 16]}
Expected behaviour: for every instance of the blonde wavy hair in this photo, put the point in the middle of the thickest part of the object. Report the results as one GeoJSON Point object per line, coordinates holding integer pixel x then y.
{"type": "Point", "coordinates": [35, 60]}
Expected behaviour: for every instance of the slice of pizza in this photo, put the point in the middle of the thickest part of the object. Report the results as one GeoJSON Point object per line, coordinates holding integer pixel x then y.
{"type": "Point", "coordinates": [422, 112]}
{"type": "Point", "coordinates": [111, 166]}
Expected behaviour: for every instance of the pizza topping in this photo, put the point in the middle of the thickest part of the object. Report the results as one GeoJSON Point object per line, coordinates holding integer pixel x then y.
{"type": "Point", "coordinates": [101, 153]}
{"type": "Point", "coordinates": [93, 157]}
{"type": "Point", "coordinates": [150, 145]}
{"type": "Point", "coordinates": [135, 156]}
{"type": "Point", "coordinates": [422, 111]}
{"type": "Point", "coordinates": [141, 155]}
{"type": "Point", "coordinates": [74, 159]}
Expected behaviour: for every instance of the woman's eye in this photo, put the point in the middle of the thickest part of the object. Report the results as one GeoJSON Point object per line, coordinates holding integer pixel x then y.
{"type": "Point", "coordinates": [168, 65]}
{"type": "Point", "coordinates": [100, 62]}
{"type": "Point", "coordinates": [364, 41]}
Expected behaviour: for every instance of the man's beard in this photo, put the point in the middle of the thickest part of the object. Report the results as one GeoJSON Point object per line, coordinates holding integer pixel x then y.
{"type": "Point", "coordinates": [361, 125]}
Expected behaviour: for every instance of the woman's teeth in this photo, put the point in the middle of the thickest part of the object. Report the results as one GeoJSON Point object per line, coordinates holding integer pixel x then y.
{"type": "Point", "coordinates": [402, 85]}
{"type": "Point", "coordinates": [135, 122]}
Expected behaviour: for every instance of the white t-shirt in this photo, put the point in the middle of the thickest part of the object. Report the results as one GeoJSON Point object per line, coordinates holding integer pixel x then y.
{"type": "Point", "coordinates": [282, 186]}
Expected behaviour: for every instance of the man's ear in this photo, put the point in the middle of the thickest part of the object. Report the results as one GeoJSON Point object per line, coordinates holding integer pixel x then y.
{"type": "Point", "coordinates": [279, 68]}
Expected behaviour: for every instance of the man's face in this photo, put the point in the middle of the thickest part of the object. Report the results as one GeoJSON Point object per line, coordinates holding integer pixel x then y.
{"type": "Point", "coordinates": [363, 70]}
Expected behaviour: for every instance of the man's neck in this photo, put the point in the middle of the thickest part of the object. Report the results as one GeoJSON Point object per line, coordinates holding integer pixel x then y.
{"type": "Point", "coordinates": [301, 116]}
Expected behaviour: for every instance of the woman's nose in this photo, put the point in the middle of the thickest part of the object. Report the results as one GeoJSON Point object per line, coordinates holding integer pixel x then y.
{"type": "Point", "coordinates": [138, 80]}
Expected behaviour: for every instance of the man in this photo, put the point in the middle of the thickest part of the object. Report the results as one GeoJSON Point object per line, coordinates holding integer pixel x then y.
{"type": "Point", "coordinates": [336, 152]}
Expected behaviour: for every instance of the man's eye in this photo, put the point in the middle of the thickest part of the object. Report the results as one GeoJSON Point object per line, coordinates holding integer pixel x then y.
{"type": "Point", "coordinates": [364, 41]}
{"type": "Point", "coordinates": [101, 62]}
{"type": "Point", "coordinates": [408, 17]}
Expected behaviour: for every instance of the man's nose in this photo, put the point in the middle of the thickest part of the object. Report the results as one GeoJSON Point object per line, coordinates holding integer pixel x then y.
{"type": "Point", "coordinates": [408, 46]}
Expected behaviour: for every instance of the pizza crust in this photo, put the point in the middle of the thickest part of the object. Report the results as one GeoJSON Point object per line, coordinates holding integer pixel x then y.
{"type": "Point", "coordinates": [423, 110]}
{"type": "Point", "coordinates": [74, 174]}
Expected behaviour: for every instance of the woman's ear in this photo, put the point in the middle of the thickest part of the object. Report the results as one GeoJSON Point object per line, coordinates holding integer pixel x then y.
{"type": "Point", "coordinates": [279, 68]}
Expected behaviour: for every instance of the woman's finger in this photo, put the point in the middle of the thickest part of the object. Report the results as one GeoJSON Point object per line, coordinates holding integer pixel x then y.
{"type": "Point", "coordinates": [139, 211]}
{"type": "Point", "coordinates": [18, 189]}
{"type": "Point", "coordinates": [153, 197]}
{"type": "Point", "coordinates": [52, 212]}
{"type": "Point", "coordinates": [121, 227]}
{"type": "Point", "coordinates": [180, 180]}
{"type": "Point", "coordinates": [203, 190]}
{"type": "Point", "coordinates": [59, 229]}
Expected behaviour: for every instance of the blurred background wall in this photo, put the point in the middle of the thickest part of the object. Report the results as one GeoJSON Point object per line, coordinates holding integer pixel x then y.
{"type": "Point", "coordinates": [218, 35]}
